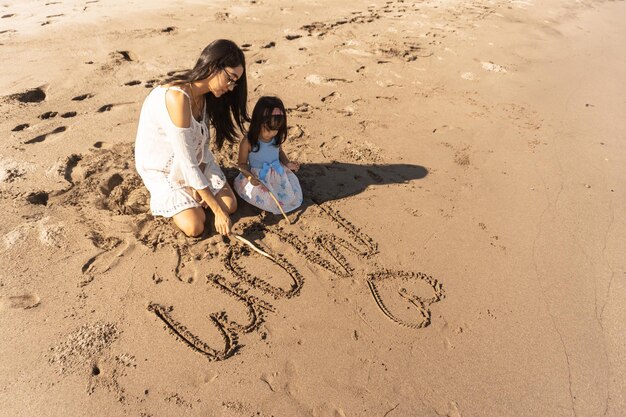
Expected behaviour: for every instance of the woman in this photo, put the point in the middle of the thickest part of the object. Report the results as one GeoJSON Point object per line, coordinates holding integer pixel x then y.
{"type": "Point", "coordinates": [172, 155]}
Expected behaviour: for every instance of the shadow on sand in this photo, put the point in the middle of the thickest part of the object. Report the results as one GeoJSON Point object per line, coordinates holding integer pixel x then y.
{"type": "Point", "coordinates": [332, 181]}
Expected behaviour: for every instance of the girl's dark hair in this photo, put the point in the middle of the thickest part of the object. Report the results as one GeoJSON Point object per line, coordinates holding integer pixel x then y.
{"type": "Point", "coordinates": [222, 110]}
{"type": "Point", "coordinates": [262, 115]}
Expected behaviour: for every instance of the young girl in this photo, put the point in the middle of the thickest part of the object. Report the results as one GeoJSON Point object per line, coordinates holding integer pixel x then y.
{"type": "Point", "coordinates": [261, 156]}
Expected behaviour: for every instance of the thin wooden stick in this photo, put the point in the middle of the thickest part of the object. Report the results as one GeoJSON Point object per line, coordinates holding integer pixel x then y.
{"type": "Point", "coordinates": [251, 245]}
{"type": "Point", "coordinates": [268, 190]}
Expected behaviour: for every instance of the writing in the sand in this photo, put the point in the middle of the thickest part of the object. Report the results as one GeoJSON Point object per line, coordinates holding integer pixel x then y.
{"type": "Point", "coordinates": [326, 250]}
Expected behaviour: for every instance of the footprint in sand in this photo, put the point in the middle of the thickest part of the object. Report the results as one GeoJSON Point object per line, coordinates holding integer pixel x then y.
{"type": "Point", "coordinates": [43, 137]}
{"type": "Point", "coordinates": [127, 55]}
{"type": "Point", "coordinates": [48, 115]}
{"type": "Point", "coordinates": [38, 198]}
{"type": "Point", "coordinates": [103, 261]}
{"type": "Point", "coordinates": [24, 301]}
{"type": "Point", "coordinates": [82, 97]}
{"type": "Point", "coordinates": [20, 127]}
{"type": "Point", "coordinates": [35, 95]}
{"type": "Point", "coordinates": [330, 97]}
{"type": "Point", "coordinates": [106, 107]}
{"type": "Point", "coordinates": [66, 168]}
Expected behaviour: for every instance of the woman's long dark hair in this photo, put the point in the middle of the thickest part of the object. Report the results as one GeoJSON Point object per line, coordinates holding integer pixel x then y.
{"type": "Point", "coordinates": [222, 110]}
{"type": "Point", "coordinates": [262, 115]}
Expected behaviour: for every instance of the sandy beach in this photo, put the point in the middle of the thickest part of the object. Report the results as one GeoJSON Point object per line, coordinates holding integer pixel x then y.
{"type": "Point", "coordinates": [457, 254]}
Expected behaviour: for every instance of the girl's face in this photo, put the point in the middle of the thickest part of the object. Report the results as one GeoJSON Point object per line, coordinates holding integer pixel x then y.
{"type": "Point", "coordinates": [270, 127]}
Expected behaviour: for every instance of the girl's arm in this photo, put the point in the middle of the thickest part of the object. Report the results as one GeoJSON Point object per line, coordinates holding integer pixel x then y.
{"type": "Point", "coordinates": [282, 157]}
{"type": "Point", "coordinates": [242, 161]}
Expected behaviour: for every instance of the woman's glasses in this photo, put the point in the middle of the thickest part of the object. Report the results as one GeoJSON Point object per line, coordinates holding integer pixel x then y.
{"type": "Point", "coordinates": [232, 81]}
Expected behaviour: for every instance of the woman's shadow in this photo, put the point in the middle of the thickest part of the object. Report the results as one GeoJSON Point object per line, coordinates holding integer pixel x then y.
{"type": "Point", "coordinates": [322, 182]}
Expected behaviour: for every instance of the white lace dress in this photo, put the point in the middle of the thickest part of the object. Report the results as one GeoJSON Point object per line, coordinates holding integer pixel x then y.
{"type": "Point", "coordinates": [168, 157]}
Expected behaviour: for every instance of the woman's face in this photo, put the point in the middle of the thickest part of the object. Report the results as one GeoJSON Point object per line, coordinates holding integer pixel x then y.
{"type": "Point", "coordinates": [225, 80]}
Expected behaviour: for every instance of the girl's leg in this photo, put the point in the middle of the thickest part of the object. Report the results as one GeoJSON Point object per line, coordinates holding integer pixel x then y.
{"type": "Point", "coordinates": [226, 198]}
{"type": "Point", "coordinates": [190, 221]}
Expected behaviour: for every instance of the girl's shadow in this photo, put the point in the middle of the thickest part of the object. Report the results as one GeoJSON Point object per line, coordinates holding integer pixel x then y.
{"type": "Point", "coordinates": [332, 181]}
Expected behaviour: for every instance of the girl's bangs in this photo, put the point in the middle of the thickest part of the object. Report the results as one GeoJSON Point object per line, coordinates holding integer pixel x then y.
{"type": "Point", "coordinates": [275, 122]}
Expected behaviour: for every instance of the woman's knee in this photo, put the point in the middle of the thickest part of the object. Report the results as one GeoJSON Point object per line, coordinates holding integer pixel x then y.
{"type": "Point", "coordinates": [193, 229]}
{"type": "Point", "coordinates": [191, 222]}
{"type": "Point", "coordinates": [231, 205]}
{"type": "Point", "coordinates": [228, 200]}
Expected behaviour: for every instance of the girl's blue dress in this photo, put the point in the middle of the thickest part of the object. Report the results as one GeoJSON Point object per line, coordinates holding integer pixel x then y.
{"type": "Point", "coordinates": [279, 179]}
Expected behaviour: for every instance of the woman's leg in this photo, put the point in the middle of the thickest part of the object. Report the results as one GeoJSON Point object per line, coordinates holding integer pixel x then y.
{"type": "Point", "coordinates": [226, 198]}
{"type": "Point", "coordinates": [190, 221]}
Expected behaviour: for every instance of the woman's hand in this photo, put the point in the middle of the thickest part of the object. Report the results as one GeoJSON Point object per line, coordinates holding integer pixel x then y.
{"type": "Point", "coordinates": [222, 219]}
{"type": "Point", "coordinates": [294, 166]}
{"type": "Point", "coordinates": [222, 223]}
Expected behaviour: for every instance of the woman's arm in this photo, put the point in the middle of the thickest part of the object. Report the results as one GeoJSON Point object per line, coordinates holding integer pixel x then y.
{"type": "Point", "coordinates": [182, 140]}
{"type": "Point", "coordinates": [222, 219]}
{"type": "Point", "coordinates": [180, 114]}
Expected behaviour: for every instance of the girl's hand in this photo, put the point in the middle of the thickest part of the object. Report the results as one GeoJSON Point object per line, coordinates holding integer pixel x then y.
{"type": "Point", "coordinates": [222, 223]}
{"type": "Point", "coordinates": [294, 166]}
{"type": "Point", "coordinates": [254, 181]}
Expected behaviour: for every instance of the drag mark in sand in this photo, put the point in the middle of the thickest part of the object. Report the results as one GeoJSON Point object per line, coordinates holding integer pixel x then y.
{"type": "Point", "coordinates": [229, 336]}
{"type": "Point", "coordinates": [230, 261]}
{"type": "Point", "coordinates": [420, 303]}
{"type": "Point", "coordinates": [24, 302]}
{"type": "Point", "coordinates": [229, 330]}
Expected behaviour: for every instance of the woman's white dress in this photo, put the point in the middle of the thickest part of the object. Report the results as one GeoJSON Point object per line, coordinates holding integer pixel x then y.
{"type": "Point", "coordinates": [168, 157]}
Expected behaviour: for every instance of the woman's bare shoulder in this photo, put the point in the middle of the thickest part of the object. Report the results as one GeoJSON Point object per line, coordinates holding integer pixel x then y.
{"type": "Point", "coordinates": [177, 105]}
